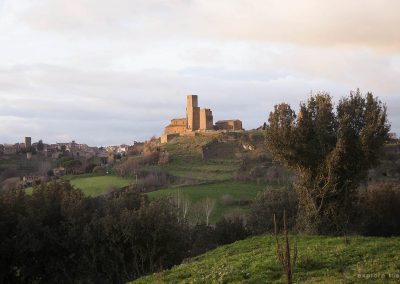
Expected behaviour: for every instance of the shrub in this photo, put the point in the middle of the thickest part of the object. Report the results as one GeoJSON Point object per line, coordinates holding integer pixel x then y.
{"type": "Point", "coordinates": [272, 202]}
{"type": "Point", "coordinates": [89, 168]}
{"type": "Point", "coordinates": [132, 165]}
{"type": "Point", "coordinates": [227, 200]}
{"type": "Point", "coordinates": [379, 208]}
{"type": "Point", "coordinates": [229, 230]}
{"type": "Point", "coordinates": [98, 170]}
{"type": "Point", "coordinates": [202, 239]}
{"type": "Point", "coordinates": [152, 179]}
{"type": "Point", "coordinates": [164, 158]}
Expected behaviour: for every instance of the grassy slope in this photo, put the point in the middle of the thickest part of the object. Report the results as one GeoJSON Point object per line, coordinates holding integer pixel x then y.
{"type": "Point", "coordinates": [320, 260]}
{"type": "Point", "coordinates": [188, 162]}
{"type": "Point", "coordinates": [217, 170]}
{"type": "Point", "coordinates": [215, 191]}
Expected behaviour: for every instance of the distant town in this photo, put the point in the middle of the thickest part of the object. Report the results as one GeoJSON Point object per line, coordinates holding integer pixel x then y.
{"type": "Point", "coordinates": [56, 150]}
{"type": "Point", "coordinates": [56, 159]}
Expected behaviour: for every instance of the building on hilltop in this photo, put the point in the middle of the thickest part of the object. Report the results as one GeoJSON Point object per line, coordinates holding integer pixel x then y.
{"type": "Point", "coordinates": [196, 118]}
{"type": "Point", "coordinates": [229, 125]}
{"type": "Point", "coordinates": [198, 121]}
{"type": "Point", "coordinates": [177, 125]}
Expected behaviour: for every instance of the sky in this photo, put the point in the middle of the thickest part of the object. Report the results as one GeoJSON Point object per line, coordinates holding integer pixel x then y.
{"type": "Point", "coordinates": [111, 72]}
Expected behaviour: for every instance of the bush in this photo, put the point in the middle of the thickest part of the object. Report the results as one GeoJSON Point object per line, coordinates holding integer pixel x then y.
{"type": "Point", "coordinates": [164, 158]}
{"type": "Point", "coordinates": [229, 230]}
{"type": "Point", "coordinates": [379, 208]}
{"type": "Point", "coordinates": [149, 180]}
{"type": "Point", "coordinates": [202, 239]}
{"type": "Point", "coordinates": [89, 168]}
{"type": "Point", "coordinates": [99, 170]}
{"type": "Point", "coordinates": [227, 200]}
{"type": "Point", "coordinates": [131, 166]}
{"type": "Point", "coordinates": [272, 202]}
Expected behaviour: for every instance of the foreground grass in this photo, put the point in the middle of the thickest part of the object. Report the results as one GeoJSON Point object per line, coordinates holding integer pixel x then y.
{"type": "Point", "coordinates": [237, 190]}
{"type": "Point", "coordinates": [320, 260]}
{"type": "Point", "coordinates": [97, 185]}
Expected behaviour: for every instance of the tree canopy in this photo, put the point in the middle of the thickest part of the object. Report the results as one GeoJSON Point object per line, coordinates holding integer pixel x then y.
{"type": "Point", "coordinates": [330, 151]}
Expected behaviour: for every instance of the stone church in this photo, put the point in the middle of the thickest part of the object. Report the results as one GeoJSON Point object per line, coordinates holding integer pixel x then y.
{"type": "Point", "coordinates": [198, 121]}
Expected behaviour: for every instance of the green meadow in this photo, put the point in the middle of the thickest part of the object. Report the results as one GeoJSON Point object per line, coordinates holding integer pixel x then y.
{"type": "Point", "coordinates": [97, 185]}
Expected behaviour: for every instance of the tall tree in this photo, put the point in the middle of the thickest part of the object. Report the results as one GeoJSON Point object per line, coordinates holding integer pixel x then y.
{"type": "Point", "coordinates": [329, 151]}
{"type": "Point", "coordinates": [40, 145]}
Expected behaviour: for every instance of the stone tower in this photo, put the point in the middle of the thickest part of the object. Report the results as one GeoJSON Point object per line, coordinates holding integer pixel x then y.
{"type": "Point", "coordinates": [192, 113]}
{"type": "Point", "coordinates": [206, 119]}
{"type": "Point", "coordinates": [28, 142]}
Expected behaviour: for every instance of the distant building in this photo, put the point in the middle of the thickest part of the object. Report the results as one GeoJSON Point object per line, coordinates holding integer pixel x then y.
{"type": "Point", "coordinates": [197, 121]}
{"type": "Point", "coordinates": [230, 125]}
{"type": "Point", "coordinates": [10, 149]}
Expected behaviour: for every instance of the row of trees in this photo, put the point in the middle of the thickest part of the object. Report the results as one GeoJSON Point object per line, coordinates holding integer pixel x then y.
{"type": "Point", "coordinates": [59, 235]}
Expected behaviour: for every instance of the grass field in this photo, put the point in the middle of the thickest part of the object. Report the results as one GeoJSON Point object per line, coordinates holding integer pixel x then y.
{"type": "Point", "coordinates": [97, 185]}
{"type": "Point", "coordinates": [215, 191]}
{"type": "Point", "coordinates": [320, 260]}
{"type": "Point", "coordinates": [207, 170]}
{"type": "Point", "coordinates": [94, 185]}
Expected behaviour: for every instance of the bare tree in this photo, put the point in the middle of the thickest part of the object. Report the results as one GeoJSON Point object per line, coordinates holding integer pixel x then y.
{"type": "Point", "coordinates": [197, 212]}
{"type": "Point", "coordinates": [208, 206]}
{"type": "Point", "coordinates": [182, 202]}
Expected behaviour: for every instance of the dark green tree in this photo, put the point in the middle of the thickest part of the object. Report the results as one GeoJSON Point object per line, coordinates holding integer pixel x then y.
{"type": "Point", "coordinates": [264, 126]}
{"type": "Point", "coordinates": [330, 152]}
{"type": "Point", "coordinates": [40, 145]}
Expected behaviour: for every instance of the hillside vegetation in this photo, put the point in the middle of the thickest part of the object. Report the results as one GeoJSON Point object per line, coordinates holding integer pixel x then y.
{"type": "Point", "coordinates": [229, 196]}
{"type": "Point", "coordinates": [320, 260]}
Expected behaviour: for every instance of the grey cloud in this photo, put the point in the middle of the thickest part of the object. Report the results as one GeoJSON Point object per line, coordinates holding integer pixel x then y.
{"type": "Point", "coordinates": [109, 106]}
{"type": "Point", "coordinates": [309, 22]}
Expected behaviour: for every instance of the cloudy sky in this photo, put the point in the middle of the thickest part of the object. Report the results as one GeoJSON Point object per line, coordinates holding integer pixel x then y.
{"type": "Point", "coordinates": [110, 72]}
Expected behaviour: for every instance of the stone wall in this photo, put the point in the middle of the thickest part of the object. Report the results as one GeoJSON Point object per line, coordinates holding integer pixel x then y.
{"type": "Point", "coordinates": [177, 125]}
{"type": "Point", "coordinates": [230, 125]}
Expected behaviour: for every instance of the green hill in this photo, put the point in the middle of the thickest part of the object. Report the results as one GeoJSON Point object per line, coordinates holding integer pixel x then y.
{"type": "Point", "coordinates": [320, 260]}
